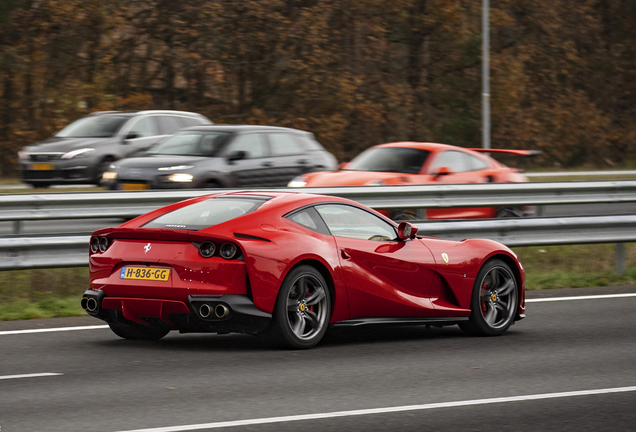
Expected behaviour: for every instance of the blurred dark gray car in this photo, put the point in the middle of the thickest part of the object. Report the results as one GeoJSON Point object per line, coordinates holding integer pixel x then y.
{"type": "Point", "coordinates": [235, 156]}
{"type": "Point", "coordinates": [81, 151]}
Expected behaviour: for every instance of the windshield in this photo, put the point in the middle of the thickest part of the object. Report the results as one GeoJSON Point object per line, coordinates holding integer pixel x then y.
{"type": "Point", "coordinates": [191, 143]}
{"type": "Point", "coordinates": [389, 159]}
{"type": "Point", "coordinates": [93, 127]}
{"type": "Point", "coordinates": [208, 213]}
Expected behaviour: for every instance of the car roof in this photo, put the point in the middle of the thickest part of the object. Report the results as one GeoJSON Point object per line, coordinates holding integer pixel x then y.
{"type": "Point", "coordinates": [244, 128]}
{"type": "Point", "coordinates": [144, 112]}
{"type": "Point", "coordinates": [422, 146]}
{"type": "Point", "coordinates": [292, 199]}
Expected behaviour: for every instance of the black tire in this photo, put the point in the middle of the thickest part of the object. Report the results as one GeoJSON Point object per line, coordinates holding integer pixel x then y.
{"type": "Point", "coordinates": [138, 332]}
{"type": "Point", "coordinates": [494, 300]}
{"type": "Point", "coordinates": [303, 308]}
{"type": "Point", "coordinates": [403, 215]}
{"type": "Point", "coordinates": [509, 212]}
{"type": "Point", "coordinates": [39, 184]}
{"type": "Point", "coordinates": [212, 184]}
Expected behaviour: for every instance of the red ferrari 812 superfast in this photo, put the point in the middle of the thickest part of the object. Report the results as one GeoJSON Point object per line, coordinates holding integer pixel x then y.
{"type": "Point", "coordinates": [290, 265]}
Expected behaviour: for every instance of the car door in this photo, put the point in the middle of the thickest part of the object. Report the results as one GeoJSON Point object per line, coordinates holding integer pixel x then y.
{"type": "Point", "coordinates": [144, 132]}
{"type": "Point", "coordinates": [464, 168]}
{"type": "Point", "coordinates": [289, 157]}
{"type": "Point", "coordinates": [249, 163]}
{"type": "Point", "coordinates": [384, 277]}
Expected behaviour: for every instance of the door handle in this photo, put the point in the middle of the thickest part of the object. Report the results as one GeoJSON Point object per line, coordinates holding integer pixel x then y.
{"type": "Point", "coordinates": [266, 164]}
{"type": "Point", "coordinates": [301, 161]}
{"type": "Point", "coordinates": [344, 254]}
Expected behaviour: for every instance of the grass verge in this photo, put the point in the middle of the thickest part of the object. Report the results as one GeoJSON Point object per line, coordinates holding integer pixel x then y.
{"type": "Point", "coordinates": [28, 294]}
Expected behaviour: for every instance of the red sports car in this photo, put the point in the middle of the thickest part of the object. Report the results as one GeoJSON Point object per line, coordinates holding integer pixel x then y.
{"type": "Point", "coordinates": [405, 163]}
{"type": "Point", "coordinates": [291, 264]}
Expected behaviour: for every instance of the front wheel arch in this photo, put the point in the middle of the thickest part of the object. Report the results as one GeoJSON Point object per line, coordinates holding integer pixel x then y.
{"type": "Point", "coordinates": [493, 318]}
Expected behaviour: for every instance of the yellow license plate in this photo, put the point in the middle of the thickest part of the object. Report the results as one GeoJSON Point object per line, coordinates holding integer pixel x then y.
{"type": "Point", "coordinates": [133, 186]}
{"type": "Point", "coordinates": [42, 167]}
{"type": "Point", "coordinates": [144, 273]}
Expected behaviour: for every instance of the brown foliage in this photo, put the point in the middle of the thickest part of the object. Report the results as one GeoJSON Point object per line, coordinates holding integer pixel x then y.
{"type": "Point", "coordinates": [356, 73]}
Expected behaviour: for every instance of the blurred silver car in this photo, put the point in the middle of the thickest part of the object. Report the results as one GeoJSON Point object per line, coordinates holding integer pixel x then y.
{"type": "Point", "coordinates": [82, 151]}
{"type": "Point", "coordinates": [237, 156]}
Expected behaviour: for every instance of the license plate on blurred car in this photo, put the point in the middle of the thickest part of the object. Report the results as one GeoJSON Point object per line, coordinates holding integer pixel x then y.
{"type": "Point", "coordinates": [42, 167]}
{"type": "Point", "coordinates": [144, 273]}
{"type": "Point", "coordinates": [133, 186]}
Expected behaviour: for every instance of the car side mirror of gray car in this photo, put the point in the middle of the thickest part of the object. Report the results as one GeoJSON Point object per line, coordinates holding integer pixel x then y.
{"type": "Point", "coordinates": [131, 135]}
{"type": "Point", "coordinates": [237, 155]}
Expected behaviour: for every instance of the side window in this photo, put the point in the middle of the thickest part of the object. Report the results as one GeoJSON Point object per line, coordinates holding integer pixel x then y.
{"type": "Point", "coordinates": [353, 222]}
{"type": "Point", "coordinates": [454, 160]}
{"type": "Point", "coordinates": [252, 144]}
{"type": "Point", "coordinates": [309, 218]}
{"type": "Point", "coordinates": [283, 144]}
{"type": "Point", "coordinates": [476, 163]}
{"type": "Point", "coordinates": [146, 127]}
{"type": "Point", "coordinates": [188, 121]}
{"type": "Point", "coordinates": [168, 125]}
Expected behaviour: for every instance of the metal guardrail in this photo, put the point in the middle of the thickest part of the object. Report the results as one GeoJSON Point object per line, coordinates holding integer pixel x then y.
{"type": "Point", "coordinates": [86, 205]}
{"type": "Point", "coordinates": [72, 250]}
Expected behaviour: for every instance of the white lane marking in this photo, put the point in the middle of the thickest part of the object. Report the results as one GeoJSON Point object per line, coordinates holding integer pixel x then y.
{"type": "Point", "coordinates": [36, 375]}
{"type": "Point", "coordinates": [387, 410]}
{"type": "Point", "coordinates": [588, 297]}
{"type": "Point", "coordinates": [46, 330]}
{"type": "Point", "coordinates": [535, 300]}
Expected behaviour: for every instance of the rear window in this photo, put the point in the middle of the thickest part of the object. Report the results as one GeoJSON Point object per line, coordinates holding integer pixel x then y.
{"type": "Point", "coordinates": [207, 213]}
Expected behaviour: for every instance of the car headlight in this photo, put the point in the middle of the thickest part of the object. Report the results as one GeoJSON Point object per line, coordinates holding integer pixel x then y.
{"type": "Point", "coordinates": [181, 178]}
{"type": "Point", "coordinates": [176, 167]}
{"type": "Point", "coordinates": [298, 181]}
{"type": "Point", "coordinates": [109, 175]}
{"type": "Point", "coordinates": [78, 153]}
{"type": "Point", "coordinates": [22, 155]}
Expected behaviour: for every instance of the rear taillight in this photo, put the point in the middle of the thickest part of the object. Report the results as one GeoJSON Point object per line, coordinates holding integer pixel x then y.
{"type": "Point", "coordinates": [228, 251]}
{"type": "Point", "coordinates": [207, 249]}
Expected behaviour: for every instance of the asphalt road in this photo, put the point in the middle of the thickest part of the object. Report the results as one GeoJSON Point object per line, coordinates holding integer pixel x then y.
{"type": "Point", "coordinates": [407, 378]}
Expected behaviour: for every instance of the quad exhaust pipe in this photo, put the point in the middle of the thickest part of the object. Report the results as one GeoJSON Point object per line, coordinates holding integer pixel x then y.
{"type": "Point", "coordinates": [220, 311]}
{"type": "Point", "coordinates": [90, 304]}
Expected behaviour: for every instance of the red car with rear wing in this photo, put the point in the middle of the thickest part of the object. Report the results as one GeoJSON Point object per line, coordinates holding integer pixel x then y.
{"type": "Point", "coordinates": [409, 163]}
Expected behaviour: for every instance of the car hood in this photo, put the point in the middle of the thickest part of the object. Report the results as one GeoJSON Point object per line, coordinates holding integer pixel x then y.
{"type": "Point", "coordinates": [354, 178]}
{"type": "Point", "coordinates": [58, 144]}
{"type": "Point", "coordinates": [159, 161]}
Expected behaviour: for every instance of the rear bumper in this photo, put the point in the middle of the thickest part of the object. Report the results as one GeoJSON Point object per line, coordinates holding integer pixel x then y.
{"type": "Point", "coordinates": [222, 314]}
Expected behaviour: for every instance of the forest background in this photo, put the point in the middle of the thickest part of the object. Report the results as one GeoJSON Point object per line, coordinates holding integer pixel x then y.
{"type": "Point", "coordinates": [355, 72]}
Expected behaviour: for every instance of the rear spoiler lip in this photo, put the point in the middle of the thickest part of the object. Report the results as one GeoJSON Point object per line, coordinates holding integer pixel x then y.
{"type": "Point", "coordinates": [507, 151]}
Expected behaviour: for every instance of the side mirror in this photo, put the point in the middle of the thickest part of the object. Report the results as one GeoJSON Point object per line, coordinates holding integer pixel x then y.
{"type": "Point", "coordinates": [442, 171]}
{"type": "Point", "coordinates": [237, 155]}
{"type": "Point", "coordinates": [406, 231]}
{"type": "Point", "coordinates": [131, 135]}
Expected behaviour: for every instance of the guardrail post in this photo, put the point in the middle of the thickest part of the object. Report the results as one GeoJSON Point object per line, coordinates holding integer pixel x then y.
{"type": "Point", "coordinates": [17, 227]}
{"type": "Point", "coordinates": [619, 257]}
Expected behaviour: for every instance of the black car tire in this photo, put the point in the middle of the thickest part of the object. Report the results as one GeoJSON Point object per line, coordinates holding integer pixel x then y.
{"type": "Point", "coordinates": [494, 300]}
{"type": "Point", "coordinates": [40, 184]}
{"type": "Point", "coordinates": [301, 318]}
{"type": "Point", "coordinates": [137, 332]}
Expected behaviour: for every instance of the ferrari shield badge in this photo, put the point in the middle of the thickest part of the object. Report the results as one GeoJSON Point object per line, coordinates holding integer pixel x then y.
{"type": "Point", "coordinates": [445, 258]}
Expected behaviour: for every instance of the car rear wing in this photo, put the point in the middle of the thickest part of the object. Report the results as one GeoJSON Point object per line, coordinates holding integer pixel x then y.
{"type": "Point", "coordinates": [507, 151]}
